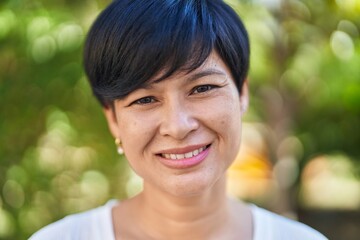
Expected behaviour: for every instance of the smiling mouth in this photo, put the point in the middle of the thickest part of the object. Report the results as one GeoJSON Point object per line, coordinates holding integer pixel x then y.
{"type": "Point", "coordinates": [191, 154]}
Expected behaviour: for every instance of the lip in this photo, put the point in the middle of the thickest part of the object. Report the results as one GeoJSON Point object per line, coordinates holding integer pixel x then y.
{"type": "Point", "coordinates": [181, 150]}
{"type": "Point", "coordinates": [186, 162]}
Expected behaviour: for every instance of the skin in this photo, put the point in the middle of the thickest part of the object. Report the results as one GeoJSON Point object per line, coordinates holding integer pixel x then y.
{"type": "Point", "coordinates": [181, 113]}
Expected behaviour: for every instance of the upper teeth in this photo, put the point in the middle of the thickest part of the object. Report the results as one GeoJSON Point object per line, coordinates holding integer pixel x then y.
{"type": "Point", "coordinates": [184, 155]}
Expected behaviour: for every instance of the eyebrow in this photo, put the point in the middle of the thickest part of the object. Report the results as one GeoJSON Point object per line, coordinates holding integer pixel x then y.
{"type": "Point", "coordinates": [192, 77]}
{"type": "Point", "coordinates": [206, 72]}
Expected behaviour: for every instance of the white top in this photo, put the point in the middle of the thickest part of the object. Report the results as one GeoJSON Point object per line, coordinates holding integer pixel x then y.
{"type": "Point", "coordinates": [96, 224]}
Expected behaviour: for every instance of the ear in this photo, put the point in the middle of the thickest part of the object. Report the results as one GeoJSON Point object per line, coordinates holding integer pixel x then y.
{"type": "Point", "coordinates": [244, 97]}
{"type": "Point", "coordinates": [112, 121]}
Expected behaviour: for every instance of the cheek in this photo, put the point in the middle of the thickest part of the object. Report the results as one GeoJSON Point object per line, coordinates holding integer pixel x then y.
{"type": "Point", "coordinates": [225, 121]}
{"type": "Point", "coordinates": [225, 116]}
{"type": "Point", "coordinates": [136, 132]}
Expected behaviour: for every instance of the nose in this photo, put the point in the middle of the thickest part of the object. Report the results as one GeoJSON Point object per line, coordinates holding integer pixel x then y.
{"type": "Point", "coordinates": [178, 120]}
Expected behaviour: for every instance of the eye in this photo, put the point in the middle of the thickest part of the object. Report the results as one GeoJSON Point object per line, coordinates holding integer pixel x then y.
{"type": "Point", "coordinates": [144, 101]}
{"type": "Point", "coordinates": [203, 88]}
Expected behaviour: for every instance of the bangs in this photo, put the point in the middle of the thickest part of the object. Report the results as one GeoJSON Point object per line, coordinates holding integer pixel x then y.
{"type": "Point", "coordinates": [177, 39]}
{"type": "Point", "coordinates": [131, 42]}
{"type": "Point", "coordinates": [142, 44]}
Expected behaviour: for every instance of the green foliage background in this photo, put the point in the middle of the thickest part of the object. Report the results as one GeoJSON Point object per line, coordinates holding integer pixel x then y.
{"type": "Point", "coordinates": [56, 155]}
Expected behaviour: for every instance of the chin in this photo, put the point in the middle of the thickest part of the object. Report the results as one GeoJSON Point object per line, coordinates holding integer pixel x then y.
{"type": "Point", "coordinates": [190, 186]}
{"type": "Point", "coordinates": [188, 192]}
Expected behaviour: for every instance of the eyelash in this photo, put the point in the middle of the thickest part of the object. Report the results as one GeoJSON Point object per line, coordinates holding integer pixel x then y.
{"type": "Point", "coordinates": [195, 90]}
{"type": "Point", "coordinates": [208, 88]}
{"type": "Point", "coordinates": [139, 101]}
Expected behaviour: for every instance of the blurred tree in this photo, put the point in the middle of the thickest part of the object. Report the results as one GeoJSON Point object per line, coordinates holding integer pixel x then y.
{"type": "Point", "coordinates": [304, 81]}
{"type": "Point", "coordinates": [56, 155]}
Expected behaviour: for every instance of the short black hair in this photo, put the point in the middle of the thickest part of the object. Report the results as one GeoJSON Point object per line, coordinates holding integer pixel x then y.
{"type": "Point", "coordinates": [132, 41]}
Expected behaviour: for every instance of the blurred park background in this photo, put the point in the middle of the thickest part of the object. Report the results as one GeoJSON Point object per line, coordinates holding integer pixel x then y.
{"type": "Point", "coordinates": [301, 140]}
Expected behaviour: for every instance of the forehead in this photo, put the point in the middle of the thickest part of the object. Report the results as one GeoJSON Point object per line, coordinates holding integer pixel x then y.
{"type": "Point", "coordinates": [213, 65]}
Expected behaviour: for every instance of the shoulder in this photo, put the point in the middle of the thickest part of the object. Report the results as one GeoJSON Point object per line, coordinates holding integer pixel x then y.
{"type": "Point", "coordinates": [269, 226]}
{"type": "Point", "coordinates": [92, 224]}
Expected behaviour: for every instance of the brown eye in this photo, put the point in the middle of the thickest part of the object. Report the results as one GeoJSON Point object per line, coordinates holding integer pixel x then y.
{"type": "Point", "coordinates": [144, 100]}
{"type": "Point", "coordinates": [203, 88]}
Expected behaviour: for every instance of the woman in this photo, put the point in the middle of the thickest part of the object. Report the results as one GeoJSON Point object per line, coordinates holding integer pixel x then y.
{"type": "Point", "coordinates": [171, 77]}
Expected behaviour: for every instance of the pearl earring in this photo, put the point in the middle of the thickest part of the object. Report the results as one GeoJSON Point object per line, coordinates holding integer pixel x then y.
{"type": "Point", "coordinates": [243, 108]}
{"type": "Point", "coordinates": [120, 150]}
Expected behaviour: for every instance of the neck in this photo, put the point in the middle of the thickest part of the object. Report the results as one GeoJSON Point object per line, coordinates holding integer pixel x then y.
{"type": "Point", "coordinates": [189, 217]}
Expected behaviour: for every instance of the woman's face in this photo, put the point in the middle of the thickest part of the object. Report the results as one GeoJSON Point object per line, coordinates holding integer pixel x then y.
{"type": "Point", "coordinates": [181, 134]}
